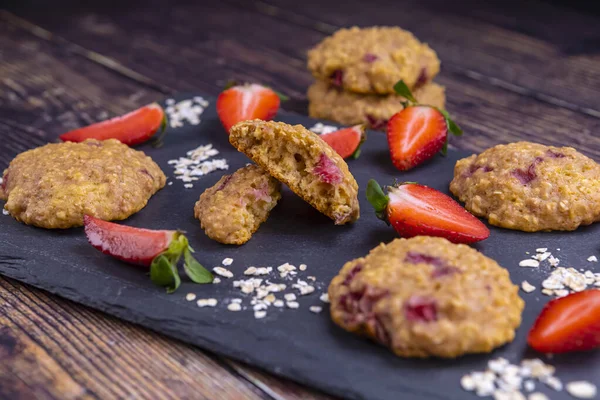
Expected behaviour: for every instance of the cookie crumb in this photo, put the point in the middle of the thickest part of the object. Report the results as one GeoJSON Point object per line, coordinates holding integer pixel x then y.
{"type": "Point", "coordinates": [581, 389]}
{"type": "Point", "coordinates": [527, 287]}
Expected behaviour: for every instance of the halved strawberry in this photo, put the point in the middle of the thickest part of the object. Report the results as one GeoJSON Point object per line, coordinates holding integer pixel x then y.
{"type": "Point", "coordinates": [347, 141]}
{"type": "Point", "coordinates": [158, 249]}
{"type": "Point", "coordinates": [244, 102]}
{"type": "Point", "coordinates": [569, 323]}
{"type": "Point", "coordinates": [414, 210]}
{"type": "Point", "coordinates": [133, 128]}
{"type": "Point", "coordinates": [418, 132]}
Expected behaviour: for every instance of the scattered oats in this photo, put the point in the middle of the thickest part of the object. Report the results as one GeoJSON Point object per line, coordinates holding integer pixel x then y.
{"type": "Point", "coordinates": [270, 298]}
{"type": "Point", "coordinates": [260, 314]}
{"type": "Point", "coordinates": [260, 306]}
{"type": "Point", "coordinates": [553, 261]}
{"type": "Point", "coordinates": [250, 271]}
{"type": "Point", "coordinates": [185, 111]}
{"type": "Point", "coordinates": [312, 278]}
{"type": "Point", "coordinates": [258, 271]}
{"type": "Point", "coordinates": [561, 280]}
{"type": "Point", "coordinates": [541, 250]}
{"type": "Point", "coordinates": [236, 300]}
{"type": "Point", "coordinates": [324, 297]}
{"type": "Point", "coordinates": [467, 383]}
{"type": "Point", "coordinates": [216, 280]}
{"type": "Point", "coordinates": [207, 302]}
{"type": "Point", "coordinates": [529, 386]}
{"type": "Point", "coordinates": [224, 272]}
{"type": "Point", "coordinates": [278, 303]}
{"type": "Point", "coordinates": [557, 249]}
{"type": "Point", "coordinates": [553, 383]}
{"type": "Point", "coordinates": [581, 389]}
{"type": "Point", "coordinates": [548, 292]}
{"type": "Point", "coordinates": [561, 293]}
{"type": "Point", "coordinates": [292, 304]}
{"type": "Point", "coordinates": [529, 263]}
{"type": "Point", "coordinates": [170, 183]}
{"type": "Point", "coordinates": [188, 186]}
{"type": "Point", "coordinates": [537, 396]}
{"type": "Point", "coordinates": [4, 211]}
{"type": "Point", "coordinates": [498, 365]}
{"type": "Point", "coordinates": [316, 309]}
{"type": "Point", "coordinates": [286, 269]}
{"type": "Point", "coordinates": [302, 267]}
{"type": "Point", "coordinates": [541, 256]}
{"type": "Point", "coordinates": [188, 169]}
{"type": "Point", "coordinates": [234, 307]}
{"type": "Point", "coordinates": [527, 287]}
{"type": "Point", "coordinates": [303, 287]}
{"type": "Point", "coordinates": [323, 129]}
{"type": "Point", "coordinates": [289, 296]}
{"type": "Point", "coordinates": [190, 297]}
{"type": "Point", "coordinates": [592, 259]}
{"type": "Point", "coordinates": [227, 261]}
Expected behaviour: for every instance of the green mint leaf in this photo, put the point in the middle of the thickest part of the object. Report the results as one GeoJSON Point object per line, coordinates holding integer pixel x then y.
{"type": "Point", "coordinates": [282, 97]}
{"type": "Point", "coordinates": [164, 273]}
{"type": "Point", "coordinates": [195, 270]}
{"type": "Point", "coordinates": [403, 90]}
{"type": "Point", "coordinates": [377, 198]}
{"type": "Point", "coordinates": [452, 126]}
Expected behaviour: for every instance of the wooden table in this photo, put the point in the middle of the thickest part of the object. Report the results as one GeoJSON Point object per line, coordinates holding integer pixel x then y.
{"type": "Point", "coordinates": [526, 70]}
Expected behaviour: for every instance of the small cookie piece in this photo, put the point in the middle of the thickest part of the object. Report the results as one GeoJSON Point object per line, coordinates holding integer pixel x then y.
{"type": "Point", "coordinates": [425, 296]}
{"type": "Point", "coordinates": [233, 209]}
{"type": "Point", "coordinates": [326, 101]}
{"type": "Point", "coordinates": [304, 162]}
{"type": "Point", "coordinates": [55, 185]}
{"type": "Point", "coordinates": [372, 60]}
{"type": "Point", "coordinates": [530, 187]}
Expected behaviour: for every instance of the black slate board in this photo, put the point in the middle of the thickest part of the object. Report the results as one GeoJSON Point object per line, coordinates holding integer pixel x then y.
{"type": "Point", "coordinates": [297, 344]}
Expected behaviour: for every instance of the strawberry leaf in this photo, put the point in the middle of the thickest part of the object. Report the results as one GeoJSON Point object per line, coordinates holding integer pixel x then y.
{"type": "Point", "coordinates": [158, 141]}
{"type": "Point", "coordinates": [403, 90]}
{"type": "Point", "coordinates": [282, 97]}
{"type": "Point", "coordinates": [194, 269]}
{"type": "Point", "coordinates": [377, 199]}
{"type": "Point", "coordinates": [444, 150]}
{"type": "Point", "coordinates": [452, 126]}
{"type": "Point", "coordinates": [164, 273]}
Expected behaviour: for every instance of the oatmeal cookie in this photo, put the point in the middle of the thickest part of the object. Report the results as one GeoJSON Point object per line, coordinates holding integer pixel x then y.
{"type": "Point", "coordinates": [304, 162]}
{"type": "Point", "coordinates": [425, 296]}
{"type": "Point", "coordinates": [530, 187]}
{"type": "Point", "coordinates": [53, 186]}
{"type": "Point", "coordinates": [372, 60]}
{"type": "Point", "coordinates": [233, 209]}
{"type": "Point", "coordinates": [329, 102]}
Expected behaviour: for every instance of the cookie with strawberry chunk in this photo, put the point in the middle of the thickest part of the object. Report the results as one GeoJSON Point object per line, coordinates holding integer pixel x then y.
{"type": "Point", "coordinates": [326, 101]}
{"type": "Point", "coordinates": [530, 187]}
{"type": "Point", "coordinates": [55, 185]}
{"type": "Point", "coordinates": [233, 209]}
{"type": "Point", "coordinates": [425, 297]}
{"type": "Point", "coordinates": [371, 60]}
{"type": "Point", "coordinates": [300, 159]}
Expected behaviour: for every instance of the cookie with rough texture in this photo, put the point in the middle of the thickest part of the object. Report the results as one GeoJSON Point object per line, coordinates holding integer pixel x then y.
{"type": "Point", "coordinates": [53, 186]}
{"type": "Point", "coordinates": [303, 161]}
{"type": "Point", "coordinates": [530, 187]}
{"type": "Point", "coordinates": [425, 296]}
{"type": "Point", "coordinates": [326, 101]}
{"type": "Point", "coordinates": [233, 209]}
{"type": "Point", "coordinates": [372, 60]}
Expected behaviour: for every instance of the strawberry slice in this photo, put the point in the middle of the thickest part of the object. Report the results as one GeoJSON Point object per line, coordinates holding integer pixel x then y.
{"type": "Point", "coordinates": [160, 250]}
{"type": "Point", "coordinates": [133, 128]}
{"type": "Point", "coordinates": [347, 141]}
{"type": "Point", "coordinates": [414, 210]}
{"type": "Point", "coordinates": [244, 102]}
{"type": "Point", "coordinates": [417, 132]}
{"type": "Point", "coordinates": [570, 323]}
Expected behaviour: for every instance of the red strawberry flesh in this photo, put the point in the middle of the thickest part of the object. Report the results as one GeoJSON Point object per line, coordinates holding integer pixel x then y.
{"type": "Point", "coordinates": [327, 170]}
{"type": "Point", "coordinates": [246, 102]}
{"type": "Point", "coordinates": [132, 245]}
{"type": "Point", "coordinates": [345, 141]}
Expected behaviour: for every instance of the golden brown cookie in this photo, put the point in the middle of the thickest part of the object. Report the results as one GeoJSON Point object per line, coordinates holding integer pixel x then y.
{"type": "Point", "coordinates": [425, 296]}
{"type": "Point", "coordinates": [53, 186]}
{"type": "Point", "coordinates": [372, 60]}
{"type": "Point", "coordinates": [329, 102]}
{"type": "Point", "coordinates": [304, 162]}
{"type": "Point", "coordinates": [530, 187]}
{"type": "Point", "coordinates": [233, 209]}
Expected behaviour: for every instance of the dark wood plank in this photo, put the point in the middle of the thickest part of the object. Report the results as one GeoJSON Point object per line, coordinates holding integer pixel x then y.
{"type": "Point", "coordinates": [51, 348]}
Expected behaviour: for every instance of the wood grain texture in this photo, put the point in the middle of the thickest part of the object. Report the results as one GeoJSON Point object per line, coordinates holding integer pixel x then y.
{"type": "Point", "coordinates": [51, 348]}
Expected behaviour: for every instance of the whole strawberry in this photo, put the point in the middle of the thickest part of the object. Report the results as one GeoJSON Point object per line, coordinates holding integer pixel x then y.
{"type": "Point", "coordinates": [415, 210]}
{"type": "Point", "coordinates": [418, 132]}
